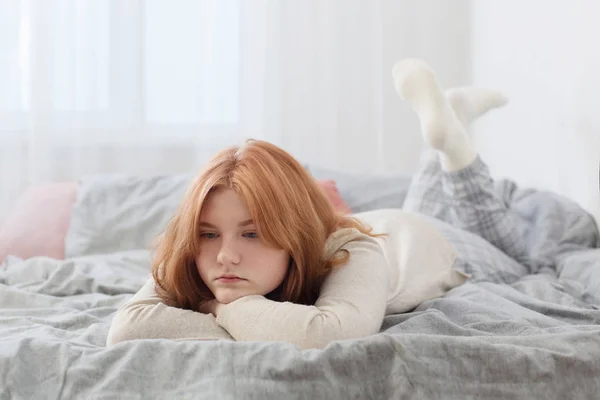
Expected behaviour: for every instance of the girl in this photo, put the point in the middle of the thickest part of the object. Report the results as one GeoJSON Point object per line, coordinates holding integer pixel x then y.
{"type": "Point", "coordinates": [256, 252]}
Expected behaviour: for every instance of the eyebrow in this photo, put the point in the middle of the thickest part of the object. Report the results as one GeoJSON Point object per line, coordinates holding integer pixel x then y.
{"type": "Point", "coordinates": [241, 224]}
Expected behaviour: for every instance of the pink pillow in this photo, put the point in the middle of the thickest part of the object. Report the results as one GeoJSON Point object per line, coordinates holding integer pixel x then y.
{"type": "Point", "coordinates": [39, 222]}
{"type": "Point", "coordinates": [330, 188]}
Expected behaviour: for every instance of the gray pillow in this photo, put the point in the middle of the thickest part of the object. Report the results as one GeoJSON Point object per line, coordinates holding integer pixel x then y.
{"type": "Point", "coordinates": [119, 212]}
{"type": "Point", "coordinates": [122, 212]}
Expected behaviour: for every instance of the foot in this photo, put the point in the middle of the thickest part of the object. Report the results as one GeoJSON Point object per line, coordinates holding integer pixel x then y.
{"type": "Point", "coordinates": [470, 103]}
{"type": "Point", "coordinates": [416, 82]}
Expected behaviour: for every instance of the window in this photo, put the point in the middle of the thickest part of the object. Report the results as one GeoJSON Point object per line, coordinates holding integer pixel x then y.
{"type": "Point", "coordinates": [191, 61]}
{"type": "Point", "coordinates": [152, 69]}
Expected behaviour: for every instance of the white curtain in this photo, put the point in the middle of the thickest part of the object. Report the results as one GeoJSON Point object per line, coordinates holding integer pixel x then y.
{"type": "Point", "coordinates": [155, 87]}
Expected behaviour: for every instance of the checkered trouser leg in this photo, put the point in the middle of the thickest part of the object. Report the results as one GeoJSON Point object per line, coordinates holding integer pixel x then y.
{"type": "Point", "coordinates": [466, 199]}
{"type": "Point", "coordinates": [426, 192]}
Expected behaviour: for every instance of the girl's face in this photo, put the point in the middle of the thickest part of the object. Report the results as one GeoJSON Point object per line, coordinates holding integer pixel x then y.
{"type": "Point", "coordinates": [233, 261]}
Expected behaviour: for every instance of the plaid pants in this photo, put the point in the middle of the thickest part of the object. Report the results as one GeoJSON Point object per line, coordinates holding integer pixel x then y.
{"type": "Point", "coordinates": [500, 232]}
{"type": "Point", "coordinates": [467, 199]}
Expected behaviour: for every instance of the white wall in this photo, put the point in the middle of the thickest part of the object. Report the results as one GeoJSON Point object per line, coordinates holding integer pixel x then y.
{"type": "Point", "coordinates": [545, 54]}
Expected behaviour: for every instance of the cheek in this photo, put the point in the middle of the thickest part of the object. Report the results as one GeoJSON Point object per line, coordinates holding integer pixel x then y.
{"type": "Point", "coordinates": [200, 266]}
{"type": "Point", "coordinates": [273, 262]}
{"type": "Point", "coordinates": [280, 263]}
{"type": "Point", "coordinates": [208, 249]}
{"type": "Point", "coordinates": [205, 259]}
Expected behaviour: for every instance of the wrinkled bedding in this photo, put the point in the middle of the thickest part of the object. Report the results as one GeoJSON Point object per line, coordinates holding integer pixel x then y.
{"type": "Point", "coordinates": [533, 336]}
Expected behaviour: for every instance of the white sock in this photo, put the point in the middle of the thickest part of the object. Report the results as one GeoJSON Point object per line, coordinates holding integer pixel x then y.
{"type": "Point", "coordinates": [416, 83]}
{"type": "Point", "coordinates": [469, 103]}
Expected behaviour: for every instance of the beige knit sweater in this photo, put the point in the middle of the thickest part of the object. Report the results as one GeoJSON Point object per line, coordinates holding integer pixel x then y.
{"type": "Point", "coordinates": [393, 274]}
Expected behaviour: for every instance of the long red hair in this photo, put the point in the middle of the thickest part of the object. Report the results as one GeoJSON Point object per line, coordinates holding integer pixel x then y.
{"type": "Point", "coordinates": [290, 211]}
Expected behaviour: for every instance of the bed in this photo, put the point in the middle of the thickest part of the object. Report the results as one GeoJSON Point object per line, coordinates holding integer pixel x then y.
{"type": "Point", "coordinates": [500, 335]}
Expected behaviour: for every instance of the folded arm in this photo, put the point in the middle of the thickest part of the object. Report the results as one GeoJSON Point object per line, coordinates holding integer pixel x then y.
{"type": "Point", "coordinates": [351, 304]}
{"type": "Point", "coordinates": [145, 316]}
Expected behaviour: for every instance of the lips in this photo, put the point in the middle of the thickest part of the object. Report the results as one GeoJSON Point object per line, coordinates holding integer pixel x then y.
{"type": "Point", "coordinates": [229, 279]}
{"type": "Point", "coordinates": [229, 276]}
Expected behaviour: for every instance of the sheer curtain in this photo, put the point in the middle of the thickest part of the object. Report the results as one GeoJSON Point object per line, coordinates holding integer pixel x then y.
{"type": "Point", "coordinates": [155, 87]}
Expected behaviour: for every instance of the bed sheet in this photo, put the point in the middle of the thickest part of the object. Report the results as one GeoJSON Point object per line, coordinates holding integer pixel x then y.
{"type": "Point", "coordinates": [504, 334]}
{"type": "Point", "coordinates": [536, 338]}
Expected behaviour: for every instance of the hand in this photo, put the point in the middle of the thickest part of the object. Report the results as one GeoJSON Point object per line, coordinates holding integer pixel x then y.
{"type": "Point", "coordinates": [211, 307]}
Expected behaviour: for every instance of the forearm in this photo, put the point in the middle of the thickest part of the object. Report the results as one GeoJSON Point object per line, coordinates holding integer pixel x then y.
{"type": "Point", "coordinates": [146, 317]}
{"type": "Point", "coordinates": [254, 318]}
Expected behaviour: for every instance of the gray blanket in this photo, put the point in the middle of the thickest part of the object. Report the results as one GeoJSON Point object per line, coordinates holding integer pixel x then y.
{"type": "Point", "coordinates": [535, 337]}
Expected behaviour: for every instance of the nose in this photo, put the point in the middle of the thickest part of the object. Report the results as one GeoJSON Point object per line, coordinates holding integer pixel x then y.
{"type": "Point", "coordinates": [227, 254]}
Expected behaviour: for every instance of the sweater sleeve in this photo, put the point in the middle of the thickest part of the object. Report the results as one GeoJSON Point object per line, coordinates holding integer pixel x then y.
{"type": "Point", "coordinates": [145, 316]}
{"type": "Point", "coordinates": [351, 304]}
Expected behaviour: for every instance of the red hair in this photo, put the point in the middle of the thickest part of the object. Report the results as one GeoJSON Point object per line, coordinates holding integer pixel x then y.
{"type": "Point", "coordinates": [290, 210]}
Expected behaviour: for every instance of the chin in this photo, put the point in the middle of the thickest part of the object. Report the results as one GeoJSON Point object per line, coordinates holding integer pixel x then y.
{"type": "Point", "coordinates": [227, 298]}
